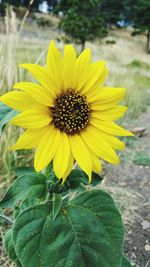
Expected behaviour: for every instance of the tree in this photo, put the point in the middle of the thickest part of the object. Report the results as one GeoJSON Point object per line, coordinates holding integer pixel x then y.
{"type": "Point", "coordinates": [112, 10]}
{"type": "Point", "coordinates": [139, 15]}
{"type": "Point", "coordinates": [82, 20]}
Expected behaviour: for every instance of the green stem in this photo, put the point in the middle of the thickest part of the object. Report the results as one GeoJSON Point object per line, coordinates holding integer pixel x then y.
{"type": "Point", "coordinates": [6, 218]}
{"type": "Point", "coordinates": [49, 197]}
{"type": "Point", "coordinates": [66, 196]}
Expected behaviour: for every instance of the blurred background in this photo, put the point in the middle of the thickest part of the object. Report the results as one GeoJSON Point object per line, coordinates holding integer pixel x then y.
{"type": "Point", "coordinates": [118, 32]}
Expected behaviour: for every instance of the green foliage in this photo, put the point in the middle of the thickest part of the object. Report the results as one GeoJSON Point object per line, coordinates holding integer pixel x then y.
{"type": "Point", "coordinates": [112, 10]}
{"type": "Point", "coordinates": [28, 186]}
{"type": "Point", "coordinates": [88, 228]}
{"type": "Point", "coordinates": [52, 230]}
{"type": "Point", "coordinates": [6, 114]}
{"type": "Point", "coordinates": [2, 9]}
{"type": "Point", "coordinates": [139, 64]}
{"type": "Point", "coordinates": [125, 262]}
{"type": "Point", "coordinates": [141, 16]}
{"type": "Point", "coordinates": [141, 158]}
{"type": "Point", "coordinates": [138, 12]}
{"type": "Point", "coordinates": [57, 203]}
{"type": "Point", "coordinates": [78, 177]}
{"type": "Point", "coordinates": [110, 42]}
{"type": "Point", "coordinates": [82, 21]}
{"type": "Point", "coordinates": [44, 22]}
{"type": "Point", "coordinates": [9, 247]}
{"type": "Point", "coordinates": [24, 170]}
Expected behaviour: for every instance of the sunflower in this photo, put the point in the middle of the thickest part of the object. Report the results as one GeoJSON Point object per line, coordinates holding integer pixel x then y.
{"type": "Point", "coordinates": [68, 114]}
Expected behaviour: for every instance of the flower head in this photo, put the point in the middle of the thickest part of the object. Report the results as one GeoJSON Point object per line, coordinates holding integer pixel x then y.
{"type": "Point", "coordinates": [69, 115]}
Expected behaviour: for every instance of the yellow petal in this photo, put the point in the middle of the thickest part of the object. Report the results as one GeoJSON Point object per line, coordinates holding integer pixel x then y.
{"type": "Point", "coordinates": [113, 113]}
{"type": "Point", "coordinates": [29, 139]}
{"type": "Point", "coordinates": [54, 64]}
{"type": "Point", "coordinates": [36, 91]}
{"type": "Point", "coordinates": [97, 76]}
{"type": "Point", "coordinates": [97, 166]}
{"type": "Point", "coordinates": [110, 127]}
{"type": "Point", "coordinates": [106, 97]}
{"type": "Point", "coordinates": [42, 76]}
{"type": "Point", "coordinates": [69, 168]}
{"type": "Point", "coordinates": [83, 68]}
{"type": "Point", "coordinates": [111, 140]}
{"type": "Point", "coordinates": [47, 148]}
{"type": "Point", "coordinates": [61, 158]}
{"type": "Point", "coordinates": [32, 118]}
{"type": "Point", "coordinates": [19, 100]}
{"type": "Point", "coordinates": [98, 145]}
{"type": "Point", "coordinates": [69, 66]}
{"type": "Point", "coordinates": [81, 154]}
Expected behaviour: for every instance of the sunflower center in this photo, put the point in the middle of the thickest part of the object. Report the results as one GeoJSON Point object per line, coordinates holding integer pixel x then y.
{"type": "Point", "coordinates": [71, 112]}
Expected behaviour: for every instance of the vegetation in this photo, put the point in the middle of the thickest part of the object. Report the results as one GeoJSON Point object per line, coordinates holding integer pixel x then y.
{"type": "Point", "coordinates": [112, 10]}
{"type": "Point", "coordinates": [141, 158]}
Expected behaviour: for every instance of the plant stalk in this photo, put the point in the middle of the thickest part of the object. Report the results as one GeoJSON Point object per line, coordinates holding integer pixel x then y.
{"type": "Point", "coordinates": [6, 218]}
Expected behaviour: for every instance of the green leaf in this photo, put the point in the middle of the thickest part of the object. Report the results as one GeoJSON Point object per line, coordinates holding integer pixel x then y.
{"type": "Point", "coordinates": [125, 262]}
{"type": "Point", "coordinates": [6, 114]}
{"type": "Point", "coordinates": [96, 179]}
{"type": "Point", "coordinates": [87, 232]}
{"type": "Point", "coordinates": [57, 203]}
{"type": "Point", "coordinates": [24, 170]}
{"type": "Point", "coordinates": [30, 186]}
{"type": "Point", "coordinates": [78, 177]}
{"type": "Point", "coordinates": [9, 247]}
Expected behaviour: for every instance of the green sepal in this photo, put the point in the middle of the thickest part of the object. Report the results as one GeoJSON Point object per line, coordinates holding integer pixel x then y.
{"type": "Point", "coordinates": [87, 232]}
{"type": "Point", "coordinates": [9, 247]}
{"type": "Point", "coordinates": [6, 114]}
{"type": "Point", "coordinates": [57, 203]}
{"type": "Point", "coordinates": [125, 262]}
{"type": "Point", "coordinates": [55, 185]}
{"type": "Point", "coordinates": [29, 186]}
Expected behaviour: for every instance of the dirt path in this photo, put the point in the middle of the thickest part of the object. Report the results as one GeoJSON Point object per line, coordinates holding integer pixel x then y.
{"type": "Point", "coordinates": [134, 180]}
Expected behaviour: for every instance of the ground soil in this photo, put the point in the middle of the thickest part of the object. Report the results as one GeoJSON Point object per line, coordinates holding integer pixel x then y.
{"type": "Point", "coordinates": [136, 179]}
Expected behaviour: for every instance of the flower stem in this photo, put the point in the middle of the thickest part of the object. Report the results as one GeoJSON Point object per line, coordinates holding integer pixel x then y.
{"type": "Point", "coordinates": [6, 218]}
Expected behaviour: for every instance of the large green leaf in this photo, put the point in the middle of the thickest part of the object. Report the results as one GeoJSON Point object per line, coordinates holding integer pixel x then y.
{"type": "Point", "coordinates": [87, 232]}
{"type": "Point", "coordinates": [9, 247]}
{"type": "Point", "coordinates": [30, 186]}
{"type": "Point", "coordinates": [6, 114]}
{"type": "Point", "coordinates": [125, 262]}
